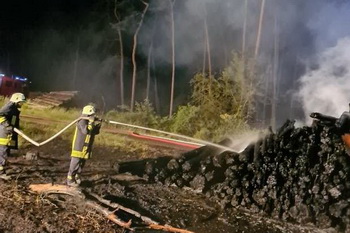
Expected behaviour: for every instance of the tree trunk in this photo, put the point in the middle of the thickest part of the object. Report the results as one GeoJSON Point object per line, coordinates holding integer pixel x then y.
{"type": "Point", "coordinates": [134, 58]}
{"type": "Point", "coordinates": [275, 73]}
{"type": "Point", "coordinates": [76, 61]}
{"type": "Point", "coordinates": [121, 70]}
{"type": "Point", "coordinates": [204, 55]}
{"type": "Point", "coordinates": [149, 70]}
{"type": "Point", "coordinates": [244, 29]}
{"type": "Point", "coordinates": [173, 56]}
{"type": "Point", "coordinates": [257, 44]}
{"type": "Point", "coordinates": [156, 94]}
{"type": "Point", "coordinates": [266, 94]}
{"type": "Point", "coordinates": [121, 50]}
{"type": "Point", "coordinates": [207, 40]}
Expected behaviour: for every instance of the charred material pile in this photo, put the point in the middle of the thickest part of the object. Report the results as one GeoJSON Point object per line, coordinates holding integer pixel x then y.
{"type": "Point", "coordinates": [296, 174]}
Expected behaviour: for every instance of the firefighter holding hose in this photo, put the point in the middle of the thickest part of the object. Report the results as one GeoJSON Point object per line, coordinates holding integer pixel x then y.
{"type": "Point", "coordinates": [9, 118]}
{"type": "Point", "coordinates": [343, 124]}
{"type": "Point", "coordinates": [86, 129]}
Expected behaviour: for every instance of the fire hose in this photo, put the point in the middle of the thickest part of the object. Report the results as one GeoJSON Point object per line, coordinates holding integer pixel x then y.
{"type": "Point", "coordinates": [47, 140]}
{"type": "Point", "coordinates": [172, 134]}
{"type": "Point", "coordinates": [127, 125]}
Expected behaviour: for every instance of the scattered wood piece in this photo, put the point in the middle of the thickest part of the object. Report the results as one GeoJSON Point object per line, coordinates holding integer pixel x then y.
{"type": "Point", "coordinates": [75, 192]}
{"type": "Point", "coordinates": [110, 215]}
{"type": "Point", "coordinates": [117, 206]}
{"type": "Point", "coordinates": [58, 189]}
{"type": "Point", "coordinates": [151, 223]}
{"type": "Point", "coordinates": [168, 228]}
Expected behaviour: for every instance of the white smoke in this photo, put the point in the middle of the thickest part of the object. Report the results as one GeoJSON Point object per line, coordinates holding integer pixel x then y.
{"type": "Point", "coordinates": [326, 89]}
{"type": "Point", "coordinates": [327, 22]}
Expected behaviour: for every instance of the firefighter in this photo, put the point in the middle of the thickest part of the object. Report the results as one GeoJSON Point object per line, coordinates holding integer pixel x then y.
{"type": "Point", "coordinates": [343, 124]}
{"type": "Point", "coordinates": [9, 118]}
{"type": "Point", "coordinates": [83, 139]}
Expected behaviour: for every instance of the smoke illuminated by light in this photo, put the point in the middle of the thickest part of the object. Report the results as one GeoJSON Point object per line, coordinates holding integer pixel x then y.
{"type": "Point", "coordinates": [327, 88]}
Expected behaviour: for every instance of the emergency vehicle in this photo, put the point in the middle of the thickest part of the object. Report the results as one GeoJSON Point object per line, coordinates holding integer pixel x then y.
{"type": "Point", "coordinates": [12, 84]}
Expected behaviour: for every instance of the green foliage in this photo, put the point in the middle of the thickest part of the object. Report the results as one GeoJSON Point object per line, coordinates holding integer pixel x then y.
{"type": "Point", "coordinates": [219, 106]}
{"type": "Point", "coordinates": [143, 115]}
{"type": "Point", "coordinates": [185, 120]}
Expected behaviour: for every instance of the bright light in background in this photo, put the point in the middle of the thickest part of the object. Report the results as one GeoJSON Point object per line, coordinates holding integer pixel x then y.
{"type": "Point", "coordinates": [20, 78]}
{"type": "Point", "coordinates": [327, 88]}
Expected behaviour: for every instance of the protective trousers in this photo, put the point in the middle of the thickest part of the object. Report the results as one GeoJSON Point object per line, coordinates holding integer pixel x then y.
{"type": "Point", "coordinates": [76, 166]}
{"type": "Point", "coordinates": [3, 156]}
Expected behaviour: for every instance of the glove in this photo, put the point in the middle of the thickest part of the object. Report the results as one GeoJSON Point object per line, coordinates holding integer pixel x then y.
{"type": "Point", "coordinates": [91, 119]}
{"type": "Point", "coordinates": [9, 128]}
{"type": "Point", "coordinates": [98, 124]}
{"type": "Point", "coordinates": [315, 115]}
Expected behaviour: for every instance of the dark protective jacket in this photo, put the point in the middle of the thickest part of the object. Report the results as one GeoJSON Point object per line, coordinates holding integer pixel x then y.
{"type": "Point", "coordinates": [343, 123]}
{"type": "Point", "coordinates": [84, 136]}
{"type": "Point", "coordinates": [9, 118]}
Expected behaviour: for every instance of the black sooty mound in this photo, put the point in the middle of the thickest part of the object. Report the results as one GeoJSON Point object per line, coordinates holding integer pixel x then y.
{"type": "Point", "coordinates": [296, 174]}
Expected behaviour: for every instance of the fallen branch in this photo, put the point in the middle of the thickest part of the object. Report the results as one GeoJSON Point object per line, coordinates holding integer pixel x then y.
{"type": "Point", "coordinates": [75, 192]}
{"type": "Point", "coordinates": [168, 228]}
{"type": "Point", "coordinates": [56, 189]}
{"type": "Point", "coordinates": [63, 189]}
{"type": "Point", "coordinates": [151, 223]}
{"type": "Point", "coordinates": [110, 215]}
{"type": "Point", "coordinates": [117, 206]}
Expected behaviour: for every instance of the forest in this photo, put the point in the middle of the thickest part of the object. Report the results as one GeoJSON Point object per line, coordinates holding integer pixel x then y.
{"type": "Point", "coordinates": [252, 56]}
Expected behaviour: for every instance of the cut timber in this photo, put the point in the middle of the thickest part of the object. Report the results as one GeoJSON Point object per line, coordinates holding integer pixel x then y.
{"type": "Point", "coordinates": [52, 99]}
{"type": "Point", "coordinates": [63, 189]}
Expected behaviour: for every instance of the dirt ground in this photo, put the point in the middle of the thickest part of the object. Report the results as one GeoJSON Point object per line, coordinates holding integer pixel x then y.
{"type": "Point", "coordinates": [24, 211]}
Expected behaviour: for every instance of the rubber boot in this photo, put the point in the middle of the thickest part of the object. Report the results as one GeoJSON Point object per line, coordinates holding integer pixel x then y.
{"type": "Point", "coordinates": [77, 179]}
{"type": "Point", "coordinates": [71, 182]}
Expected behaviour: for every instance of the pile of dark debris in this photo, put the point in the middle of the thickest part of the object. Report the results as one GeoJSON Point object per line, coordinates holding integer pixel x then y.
{"type": "Point", "coordinates": [296, 174]}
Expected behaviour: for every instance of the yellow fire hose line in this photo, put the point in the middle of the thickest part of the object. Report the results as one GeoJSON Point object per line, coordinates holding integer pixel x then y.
{"type": "Point", "coordinates": [128, 125]}
{"type": "Point", "coordinates": [48, 140]}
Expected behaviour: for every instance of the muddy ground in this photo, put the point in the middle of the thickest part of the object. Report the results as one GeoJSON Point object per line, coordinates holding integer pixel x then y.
{"type": "Point", "coordinates": [24, 211]}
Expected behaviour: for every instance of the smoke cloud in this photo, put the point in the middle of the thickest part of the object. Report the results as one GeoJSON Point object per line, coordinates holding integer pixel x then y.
{"type": "Point", "coordinates": [325, 87]}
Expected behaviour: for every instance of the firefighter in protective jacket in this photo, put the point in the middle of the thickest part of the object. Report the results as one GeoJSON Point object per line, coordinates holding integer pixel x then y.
{"type": "Point", "coordinates": [83, 139]}
{"type": "Point", "coordinates": [343, 124]}
{"type": "Point", "coordinates": [9, 118]}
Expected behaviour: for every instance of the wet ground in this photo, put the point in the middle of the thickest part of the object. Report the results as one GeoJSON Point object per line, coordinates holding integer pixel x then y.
{"type": "Point", "coordinates": [24, 211]}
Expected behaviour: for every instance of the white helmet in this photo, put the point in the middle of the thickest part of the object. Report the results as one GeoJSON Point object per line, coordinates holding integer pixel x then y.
{"type": "Point", "coordinates": [89, 110]}
{"type": "Point", "coordinates": [17, 97]}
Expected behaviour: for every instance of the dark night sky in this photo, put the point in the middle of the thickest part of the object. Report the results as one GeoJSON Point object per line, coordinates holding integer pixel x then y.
{"type": "Point", "coordinates": [21, 18]}
{"type": "Point", "coordinates": [38, 35]}
{"type": "Point", "coordinates": [18, 15]}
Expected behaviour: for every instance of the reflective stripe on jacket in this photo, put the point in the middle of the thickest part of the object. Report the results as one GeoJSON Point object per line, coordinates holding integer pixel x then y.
{"type": "Point", "coordinates": [83, 139]}
{"type": "Point", "coordinates": [5, 134]}
{"type": "Point", "coordinates": [9, 118]}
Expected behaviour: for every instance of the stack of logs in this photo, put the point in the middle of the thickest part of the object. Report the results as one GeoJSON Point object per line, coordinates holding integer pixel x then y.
{"type": "Point", "coordinates": [296, 174]}
{"type": "Point", "coordinates": [53, 99]}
